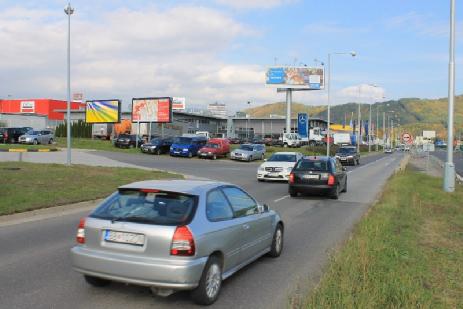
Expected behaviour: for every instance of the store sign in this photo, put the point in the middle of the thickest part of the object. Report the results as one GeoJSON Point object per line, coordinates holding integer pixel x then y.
{"type": "Point", "coordinates": [27, 106]}
{"type": "Point", "coordinates": [178, 104]}
{"type": "Point", "coordinates": [302, 125]}
{"type": "Point", "coordinates": [152, 110]}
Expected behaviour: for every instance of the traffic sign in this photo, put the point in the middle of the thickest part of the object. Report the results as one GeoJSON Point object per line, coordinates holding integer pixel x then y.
{"type": "Point", "coordinates": [407, 138]}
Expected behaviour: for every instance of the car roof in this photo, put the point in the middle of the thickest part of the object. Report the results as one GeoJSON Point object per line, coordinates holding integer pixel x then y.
{"type": "Point", "coordinates": [194, 187]}
{"type": "Point", "coordinates": [320, 158]}
{"type": "Point", "coordinates": [285, 153]}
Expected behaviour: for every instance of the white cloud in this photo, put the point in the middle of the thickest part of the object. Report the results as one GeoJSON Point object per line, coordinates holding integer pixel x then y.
{"type": "Point", "coordinates": [254, 4]}
{"type": "Point", "coordinates": [323, 28]}
{"type": "Point", "coordinates": [128, 53]}
{"type": "Point", "coordinates": [366, 93]}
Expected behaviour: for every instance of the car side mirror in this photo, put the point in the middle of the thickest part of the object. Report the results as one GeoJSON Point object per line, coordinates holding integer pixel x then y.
{"type": "Point", "coordinates": [263, 208]}
{"type": "Point", "coordinates": [266, 208]}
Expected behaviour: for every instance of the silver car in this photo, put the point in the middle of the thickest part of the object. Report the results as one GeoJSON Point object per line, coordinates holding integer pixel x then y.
{"type": "Point", "coordinates": [248, 152]}
{"type": "Point", "coordinates": [37, 137]}
{"type": "Point", "coordinates": [175, 235]}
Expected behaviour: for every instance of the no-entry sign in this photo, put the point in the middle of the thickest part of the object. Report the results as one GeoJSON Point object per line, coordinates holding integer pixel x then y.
{"type": "Point", "coordinates": [407, 138]}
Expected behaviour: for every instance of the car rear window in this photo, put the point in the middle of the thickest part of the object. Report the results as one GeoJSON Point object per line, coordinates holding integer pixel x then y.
{"type": "Point", "coordinates": [282, 158]}
{"type": "Point", "coordinates": [347, 150]}
{"type": "Point", "coordinates": [312, 165]}
{"type": "Point", "coordinates": [148, 207]}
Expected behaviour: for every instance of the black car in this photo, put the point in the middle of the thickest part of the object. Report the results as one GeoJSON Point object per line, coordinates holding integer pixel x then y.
{"type": "Point", "coordinates": [348, 155]}
{"type": "Point", "coordinates": [11, 135]}
{"type": "Point", "coordinates": [127, 141]}
{"type": "Point", "coordinates": [157, 145]}
{"type": "Point", "coordinates": [318, 175]}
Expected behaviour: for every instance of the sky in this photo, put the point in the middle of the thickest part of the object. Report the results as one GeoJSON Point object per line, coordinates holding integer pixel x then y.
{"type": "Point", "coordinates": [218, 50]}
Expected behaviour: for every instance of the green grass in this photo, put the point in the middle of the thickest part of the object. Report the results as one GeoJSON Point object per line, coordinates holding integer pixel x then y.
{"type": "Point", "coordinates": [23, 146]}
{"type": "Point", "coordinates": [407, 252]}
{"type": "Point", "coordinates": [36, 186]}
{"type": "Point", "coordinates": [96, 144]}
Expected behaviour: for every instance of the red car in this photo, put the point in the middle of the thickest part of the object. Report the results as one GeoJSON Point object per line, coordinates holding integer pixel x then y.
{"type": "Point", "coordinates": [215, 147]}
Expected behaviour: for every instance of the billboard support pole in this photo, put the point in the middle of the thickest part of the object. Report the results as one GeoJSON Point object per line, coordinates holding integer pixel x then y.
{"type": "Point", "coordinates": [289, 99]}
{"type": "Point", "coordinates": [162, 130]}
{"type": "Point", "coordinates": [138, 133]}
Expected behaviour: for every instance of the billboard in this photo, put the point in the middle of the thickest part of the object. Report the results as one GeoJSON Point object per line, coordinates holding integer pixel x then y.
{"type": "Point", "coordinates": [103, 111]}
{"type": "Point", "coordinates": [296, 78]}
{"type": "Point", "coordinates": [152, 110]}
{"type": "Point", "coordinates": [302, 125]}
{"type": "Point", "coordinates": [178, 104]}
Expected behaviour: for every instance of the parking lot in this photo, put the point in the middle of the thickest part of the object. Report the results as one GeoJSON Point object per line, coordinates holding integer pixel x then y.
{"type": "Point", "coordinates": [35, 256]}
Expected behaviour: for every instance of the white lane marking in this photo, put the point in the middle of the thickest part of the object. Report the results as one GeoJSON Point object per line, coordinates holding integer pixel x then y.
{"type": "Point", "coordinates": [280, 199]}
{"type": "Point", "coordinates": [376, 161]}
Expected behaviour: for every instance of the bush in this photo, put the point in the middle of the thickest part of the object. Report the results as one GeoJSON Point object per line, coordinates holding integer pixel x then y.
{"type": "Point", "coordinates": [79, 129]}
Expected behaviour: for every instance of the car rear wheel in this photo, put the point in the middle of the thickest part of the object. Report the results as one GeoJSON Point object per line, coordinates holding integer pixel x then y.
{"type": "Point", "coordinates": [335, 193]}
{"type": "Point", "coordinates": [277, 243]}
{"type": "Point", "coordinates": [292, 192]}
{"type": "Point", "coordinates": [35, 142]}
{"type": "Point", "coordinates": [95, 281]}
{"type": "Point", "coordinates": [210, 283]}
{"type": "Point", "coordinates": [50, 141]}
{"type": "Point", "coordinates": [358, 162]}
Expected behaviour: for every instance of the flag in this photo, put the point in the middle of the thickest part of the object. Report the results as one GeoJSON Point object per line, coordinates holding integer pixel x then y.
{"type": "Point", "coordinates": [353, 125]}
{"type": "Point", "coordinates": [344, 122]}
{"type": "Point", "coordinates": [366, 127]}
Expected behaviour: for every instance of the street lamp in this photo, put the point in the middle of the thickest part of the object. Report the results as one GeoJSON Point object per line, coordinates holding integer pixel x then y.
{"type": "Point", "coordinates": [353, 54]}
{"type": "Point", "coordinates": [247, 122]}
{"type": "Point", "coordinates": [449, 167]}
{"type": "Point", "coordinates": [69, 10]}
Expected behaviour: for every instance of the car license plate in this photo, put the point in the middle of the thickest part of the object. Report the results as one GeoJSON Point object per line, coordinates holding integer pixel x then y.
{"type": "Point", "coordinates": [311, 176]}
{"type": "Point", "coordinates": [124, 237]}
{"type": "Point", "coordinates": [272, 175]}
{"type": "Point", "coordinates": [343, 159]}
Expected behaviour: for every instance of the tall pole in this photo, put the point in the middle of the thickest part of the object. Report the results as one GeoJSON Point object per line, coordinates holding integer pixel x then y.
{"type": "Point", "coordinates": [384, 130]}
{"type": "Point", "coordinates": [329, 108]}
{"type": "Point", "coordinates": [68, 10]}
{"type": "Point", "coordinates": [358, 127]}
{"type": "Point", "coordinates": [289, 99]}
{"type": "Point", "coordinates": [369, 132]}
{"type": "Point", "coordinates": [449, 167]}
{"type": "Point", "coordinates": [376, 127]}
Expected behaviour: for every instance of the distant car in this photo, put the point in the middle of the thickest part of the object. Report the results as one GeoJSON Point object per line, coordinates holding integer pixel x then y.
{"type": "Point", "coordinates": [157, 145]}
{"type": "Point", "coordinates": [234, 140]}
{"type": "Point", "coordinates": [37, 137]}
{"type": "Point", "coordinates": [128, 141]}
{"type": "Point", "coordinates": [11, 135]}
{"type": "Point", "coordinates": [348, 155]}
{"type": "Point", "coordinates": [257, 140]}
{"type": "Point", "coordinates": [278, 166]}
{"type": "Point", "coordinates": [318, 175]}
{"type": "Point", "coordinates": [248, 152]}
{"type": "Point", "coordinates": [187, 146]}
{"type": "Point", "coordinates": [215, 147]}
{"type": "Point", "coordinates": [2, 135]}
{"type": "Point", "coordinates": [388, 150]}
{"type": "Point", "coordinates": [175, 235]}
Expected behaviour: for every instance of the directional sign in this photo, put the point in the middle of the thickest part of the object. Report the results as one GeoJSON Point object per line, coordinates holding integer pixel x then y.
{"type": "Point", "coordinates": [302, 125]}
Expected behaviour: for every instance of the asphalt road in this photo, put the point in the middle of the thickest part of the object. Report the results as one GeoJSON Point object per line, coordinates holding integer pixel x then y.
{"type": "Point", "coordinates": [457, 159]}
{"type": "Point", "coordinates": [35, 270]}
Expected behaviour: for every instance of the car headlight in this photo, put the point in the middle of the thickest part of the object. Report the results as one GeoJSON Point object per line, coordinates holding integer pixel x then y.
{"type": "Point", "coordinates": [153, 147]}
{"type": "Point", "coordinates": [209, 152]}
{"type": "Point", "coordinates": [350, 157]}
{"type": "Point", "coordinates": [261, 169]}
{"type": "Point", "coordinates": [185, 149]}
{"type": "Point", "coordinates": [171, 148]}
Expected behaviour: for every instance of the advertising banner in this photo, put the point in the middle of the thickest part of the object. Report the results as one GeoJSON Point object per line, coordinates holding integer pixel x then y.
{"type": "Point", "coordinates": [296, 78]}
{"type": "Point", "coordinates": [103, 111]}
{"type": "Point", "coordinates": [152, 110]}
{"type": "Point", "coordinates": [302, 125]}
{"type": "Point", "coordinates": [178, 104]}
{"type": "Point", "coordinates": [27, 106]}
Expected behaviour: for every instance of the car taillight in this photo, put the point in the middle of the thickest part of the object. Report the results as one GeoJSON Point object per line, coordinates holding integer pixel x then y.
{"type": "Point", "coordinates": [331, 180]}
{"type": "Point", "coordinates": [5, 135]}
{"type": "Point", "coordinates": [81, 232]}
{"type": "Point", "coordinates": [183, 243]}
{"type": "Point", "coordinates": [291, 178]}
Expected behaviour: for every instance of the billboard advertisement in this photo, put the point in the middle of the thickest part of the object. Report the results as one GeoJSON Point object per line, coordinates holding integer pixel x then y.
{"type": "Point", "coordinates": [152, 110]}
{"type": "Point", "coordinates": [302, 125]}
{"type": "Point", "coordinates": [103, 111]}
{"type": "Point", "coordinates": [178, 104]}
{"type": "Point", "coordinates": [296, 78]}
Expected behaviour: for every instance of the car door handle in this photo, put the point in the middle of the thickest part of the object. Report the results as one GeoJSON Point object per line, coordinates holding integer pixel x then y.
{"type": "Point", "coordinates": [245, 226]}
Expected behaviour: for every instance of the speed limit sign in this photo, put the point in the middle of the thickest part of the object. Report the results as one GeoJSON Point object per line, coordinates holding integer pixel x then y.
{"type": "Point", "coordinates": [407, 138]}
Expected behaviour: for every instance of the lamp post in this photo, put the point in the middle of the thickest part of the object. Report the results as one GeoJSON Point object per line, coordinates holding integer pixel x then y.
{"type": "Point", "coordinates": [68, 10]}
{"type": "Point", "coordinates": [353, 54]}
{"type": "Point", "coordinates": [449, 167]}
{"type": "Point", "coordinates": [247, 122]}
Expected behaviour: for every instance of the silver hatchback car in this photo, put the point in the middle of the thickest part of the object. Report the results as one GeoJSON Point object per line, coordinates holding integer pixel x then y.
{"type": "Point", "coordinates": [175, 235]}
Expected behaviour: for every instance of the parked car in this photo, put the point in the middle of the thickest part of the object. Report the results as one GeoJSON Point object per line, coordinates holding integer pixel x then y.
{"type": "Point", "coordinates": [348, 155]}
{"type": "Point", "coordinates": [11, 135]}
{"type": "Point", "coordinates": [175, 235]}
{"type": "Point", "coordinates": [215, 147]}
{"type": "Point", "coordinates": [37, 137]}
{"type": "Point", "coordinates": [2, 135]}
{"type": "Point", "coordinates": [128, 141]}
{"type": "Point", "coordinates": [278, 166]}
{"type": "Point", "coordinates": [318, 175]}
{"type": "Point", "coordinates": [187, 146]}
{"type": "Point", "coordinates": [388, 150]}
{"type": "Point", "coordinates": [268, 141]}
{"type": "Point", "coordinates": [248, 152]}
{"type": "Point", "coordinates": [234, 140]}
{"type": "Point", "coordinates": [157, 145]}
{"type": "Point", "coordinates": [257, 140]}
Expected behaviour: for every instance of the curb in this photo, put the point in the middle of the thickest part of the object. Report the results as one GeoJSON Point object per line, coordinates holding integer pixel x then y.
{"type": "Point", "coordinates": [29, 150]}
{"type": "Point", "coordinates": [441, 164]}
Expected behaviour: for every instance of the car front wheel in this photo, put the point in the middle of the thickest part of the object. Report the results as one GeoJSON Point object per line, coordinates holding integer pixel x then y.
{"type": "Point", "coordinates": [277, 243]}
{"type": "Point", "coordinates": [210, 283]}
{"type": "Point", "coordinates": [335, 192]}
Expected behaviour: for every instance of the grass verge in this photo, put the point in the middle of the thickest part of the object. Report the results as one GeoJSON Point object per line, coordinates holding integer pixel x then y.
{"type": "Point", "coordinates": [96, 144]}
{"type": "Point", "coordinates": [23, 146]}
{"type": "Point", "coordinates": [407, 252]}
{"type": "Point", "coordinates": [27, 186]}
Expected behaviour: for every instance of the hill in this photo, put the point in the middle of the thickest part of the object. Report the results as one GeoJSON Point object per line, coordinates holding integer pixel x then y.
{"type": "Point", "coordinates": [413, 114]}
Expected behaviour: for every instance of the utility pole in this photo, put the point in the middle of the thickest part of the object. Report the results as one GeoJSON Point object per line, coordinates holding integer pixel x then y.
{"type": "Point", "coordinates": [376, 127]}
{"type": "Point", "coordinates": [369, 132]}
{"type": "Point", "coordinates": [68, 10]}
